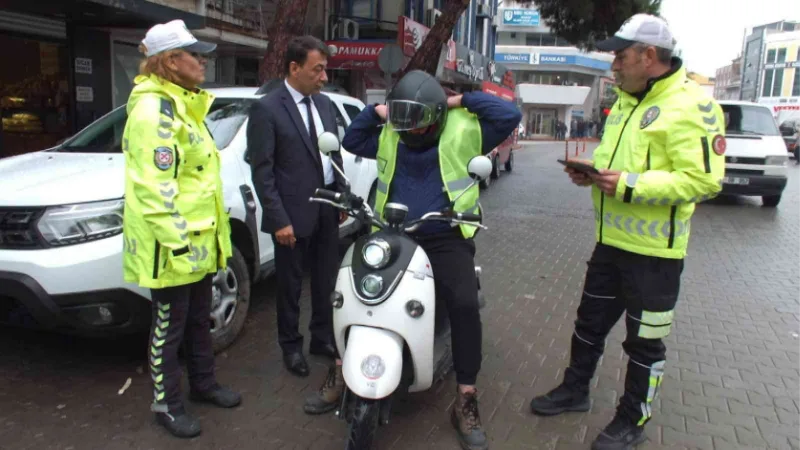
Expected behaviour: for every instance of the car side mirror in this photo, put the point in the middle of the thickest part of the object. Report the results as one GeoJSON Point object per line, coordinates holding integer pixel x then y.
{"type": "Point", "coordinates": [480, 167]}
{"type": "Point", "coordinates": [328, 142]}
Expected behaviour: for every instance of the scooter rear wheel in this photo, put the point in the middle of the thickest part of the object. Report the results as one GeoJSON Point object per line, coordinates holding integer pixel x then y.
{"type": "Point", "coordinates": [363, 424]}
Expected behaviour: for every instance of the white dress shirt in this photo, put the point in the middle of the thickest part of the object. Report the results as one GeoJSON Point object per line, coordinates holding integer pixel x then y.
{"type": "Point", "coordinates": [327, 168]}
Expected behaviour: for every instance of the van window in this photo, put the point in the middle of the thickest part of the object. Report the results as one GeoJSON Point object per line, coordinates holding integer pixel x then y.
{"type": "Point", "coordinates": [352, 110]}
{"type": "Point", "coordinates": [750, 120]}
{"type": "Point", "coordinates": [340, 123]}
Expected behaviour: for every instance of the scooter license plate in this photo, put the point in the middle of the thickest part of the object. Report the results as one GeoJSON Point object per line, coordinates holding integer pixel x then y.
{"type": "Point", "coordinates": [736, 180]}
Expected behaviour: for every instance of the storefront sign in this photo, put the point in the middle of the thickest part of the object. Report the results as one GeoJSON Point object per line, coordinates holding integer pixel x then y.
{"type": "Point", "coordinates": [514, 58]}
{"type": "Point", "coordinates": [84, 94]}
{"type": "Point", "coordinates": [491, 88]}
{"type": "Point", "coordinates": [353, 55]}
{"type": "Point", "coordinates": [83, 65]}
{"type": "Point", "coordinates": [576, 60]}
{"type": "Point", "coordinates": [521, 17]}
{"type": "Point", "coordinates": [470, 63]}
{"type": "Point", "coordinates": [783, 65]}
{"type": "Point", "coordinates": [411, 35]}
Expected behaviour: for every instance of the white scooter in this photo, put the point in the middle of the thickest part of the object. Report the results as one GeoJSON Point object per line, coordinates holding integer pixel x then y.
{"type": "Point", "coordinates": [385, 321]}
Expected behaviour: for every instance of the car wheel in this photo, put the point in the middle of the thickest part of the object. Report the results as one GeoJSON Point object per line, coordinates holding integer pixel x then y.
{"type": "Point", "coordinates": [771, 201]}
{"type": "Point", "coordinates": [230, 301]}
{"type": "Point", "coordinates": [510, 162]}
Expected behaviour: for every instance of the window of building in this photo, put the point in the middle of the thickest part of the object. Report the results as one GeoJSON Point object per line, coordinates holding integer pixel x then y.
{"type": "Point", "coordinates": [533, 39]}
{"type": "Point", "coordinates": [767, 90]}
{"type": "Point", "coordinates": [796, 85]}
{"type": "Point", "coordinates": [777, 86]}
{"type": "Point", "coordinates": [782, 55]}
{"type": "Point", "coordinates": [771, 56]}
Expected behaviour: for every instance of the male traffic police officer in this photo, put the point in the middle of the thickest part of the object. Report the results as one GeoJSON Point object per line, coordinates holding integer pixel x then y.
{"type": "Point", "coordinates": [660, 155]}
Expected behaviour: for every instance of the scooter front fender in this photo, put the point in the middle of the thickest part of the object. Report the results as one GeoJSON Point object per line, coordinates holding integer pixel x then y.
{"type": "Point", "coordinates": [373, 362]}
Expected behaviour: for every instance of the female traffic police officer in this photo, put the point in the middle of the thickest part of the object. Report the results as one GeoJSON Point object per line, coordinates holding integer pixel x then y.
{"type": "Point", "coordinates": [176, 230]}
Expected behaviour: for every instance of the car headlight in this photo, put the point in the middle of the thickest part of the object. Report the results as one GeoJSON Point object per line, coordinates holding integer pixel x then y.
{"type": "Point", "coordinates": [376, 253]}
{"type": "Point", "coordinates": [777, 160]}
{"type": "Point", "coordinates": [371, 285]}
{"type": "Point", "coordinates": [75, 224]}
{"type": "Point", "coordinates": [373, 367]}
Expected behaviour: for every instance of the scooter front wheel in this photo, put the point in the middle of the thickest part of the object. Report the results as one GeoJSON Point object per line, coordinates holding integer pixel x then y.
{"type": "Point", "coordinates": [363, 424]}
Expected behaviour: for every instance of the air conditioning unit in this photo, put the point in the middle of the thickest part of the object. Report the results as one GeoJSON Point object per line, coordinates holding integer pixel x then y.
{"type": "Point", "coordinates": [430, 17]}
{"type": "Point", "coordinates": [345, 29]}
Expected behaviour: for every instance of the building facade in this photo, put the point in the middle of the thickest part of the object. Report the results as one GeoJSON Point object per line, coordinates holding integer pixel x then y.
{"type": "Point", "coordinates": [728, 81]}
{"type": "Point", "coordinates": [75, 60]}
{"type": "Point", "coordinates": [780, 86]}
{"type": "Point", "coordinates": [357, 31]}
{"type": "Point", "coordinates": [755, 57]}
{"type": "Point", "coordinates": [556, 82]}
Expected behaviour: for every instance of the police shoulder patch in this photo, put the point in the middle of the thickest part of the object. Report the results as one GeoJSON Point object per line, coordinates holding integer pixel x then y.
{"type": "Point", "coordinates": [649, 117]}
{"type": "Point", "coordinates": [719, 144]}
{"type": "Point", "coordinates": [164, 158]}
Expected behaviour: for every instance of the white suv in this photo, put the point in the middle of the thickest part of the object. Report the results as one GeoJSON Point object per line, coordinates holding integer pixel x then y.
{"type": "Point", "coordinates": [756, 158]}
{"type": "Point", "coordinates": [61, 224]}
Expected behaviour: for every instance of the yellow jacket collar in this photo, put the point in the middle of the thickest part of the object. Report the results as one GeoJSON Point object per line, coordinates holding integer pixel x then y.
{"type": "Point", "coordinates": [656, 86]}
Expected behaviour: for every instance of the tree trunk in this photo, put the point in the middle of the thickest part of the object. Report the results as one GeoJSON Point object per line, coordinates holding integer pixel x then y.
{"type": "Point", "coordinates": [288, 22]}
{"type": "Point", "coordinates": [427, 56]}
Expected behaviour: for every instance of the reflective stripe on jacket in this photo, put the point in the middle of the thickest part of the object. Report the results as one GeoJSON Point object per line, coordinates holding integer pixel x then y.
{"type": "Point", "coordinates": [175, 227]}
{"type": "Point", "coordinates": [460, 141]}
{"type": "Point", "coordinates": [669, 147]}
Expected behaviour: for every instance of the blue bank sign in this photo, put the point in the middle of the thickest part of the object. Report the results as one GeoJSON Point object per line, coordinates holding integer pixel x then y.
{"type": "Point", "coordinates": [535, 58]}
{"type": "Point", "coordinates": [521, 17]}
{"type": "Point", "coordinates": [517, 58]}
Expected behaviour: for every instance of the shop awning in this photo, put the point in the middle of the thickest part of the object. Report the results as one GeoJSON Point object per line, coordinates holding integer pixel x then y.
{"type": "Point", "coordinates": [105, 13]}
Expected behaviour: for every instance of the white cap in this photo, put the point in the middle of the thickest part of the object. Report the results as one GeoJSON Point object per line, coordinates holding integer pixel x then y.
{"type": "Point", "coordinates": [643, 28]}
{"type": "Point", "coordinates": [172, 35]}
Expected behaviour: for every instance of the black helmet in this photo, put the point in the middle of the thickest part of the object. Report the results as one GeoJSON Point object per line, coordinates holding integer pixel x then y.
{"type": "Point", "coordinates": [417, 102]}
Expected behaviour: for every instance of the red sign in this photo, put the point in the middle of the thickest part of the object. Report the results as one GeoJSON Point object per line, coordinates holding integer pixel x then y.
{"type": "Point", "coordinates": [491, 88]}
{"type": "Point", "coordinates": [410, 36]}
{"type": "Point", "coordinates": [353, 55]}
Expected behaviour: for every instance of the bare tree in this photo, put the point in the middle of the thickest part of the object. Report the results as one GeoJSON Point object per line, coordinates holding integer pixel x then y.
{"type": "Point", "coordinates": [289, 21]}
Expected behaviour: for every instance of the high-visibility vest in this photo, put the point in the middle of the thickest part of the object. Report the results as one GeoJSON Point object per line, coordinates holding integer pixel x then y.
{"type": "Point", "coordinates": [669, 147]}
{"type": "Point", "coordinates": [175, 227]}
{"type": "Point", "coordinates": [461, 140]}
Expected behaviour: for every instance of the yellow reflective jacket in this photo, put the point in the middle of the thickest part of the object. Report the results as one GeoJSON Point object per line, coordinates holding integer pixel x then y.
{"type": "Point", "coordinates": [175, 227]}
{"type": "Point", "coordinates": [459, 143]}
{"type": "Point", "coordinates": [669, 147]}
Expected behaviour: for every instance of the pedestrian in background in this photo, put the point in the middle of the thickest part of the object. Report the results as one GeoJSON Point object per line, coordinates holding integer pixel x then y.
{"type": "Point", "coordinates": [177, 233]}
{"type": "Point", "coordinates": [661, 154]}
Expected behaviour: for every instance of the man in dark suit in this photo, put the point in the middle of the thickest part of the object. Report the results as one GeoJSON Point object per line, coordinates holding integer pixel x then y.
{"type": "Point", "coordinates": [287, 167]}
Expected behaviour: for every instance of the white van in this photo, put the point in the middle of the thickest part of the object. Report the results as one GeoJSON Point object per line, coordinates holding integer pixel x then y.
{"type": "Point", "coordinates": [756, 158]}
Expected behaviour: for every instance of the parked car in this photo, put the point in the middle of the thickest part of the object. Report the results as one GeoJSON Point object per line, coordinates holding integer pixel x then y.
{"type": "Point", "coordinates": [790, 130]}
{"type": "Point", "coordinates": [61, 223]}
{"type": "Point", "coordinates": [756, 158]}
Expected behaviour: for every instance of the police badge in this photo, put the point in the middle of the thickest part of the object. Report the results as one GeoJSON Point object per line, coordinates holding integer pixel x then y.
{"type": "Point", "coordinates": [649, 117]}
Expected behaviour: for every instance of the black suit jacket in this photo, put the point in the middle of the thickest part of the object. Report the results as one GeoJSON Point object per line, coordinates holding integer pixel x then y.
{"type": "Point", "coordinates": [285, 166]}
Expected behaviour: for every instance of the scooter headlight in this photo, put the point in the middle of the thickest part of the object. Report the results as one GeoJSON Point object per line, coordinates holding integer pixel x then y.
{"type": "Point", "coordinates": [372, 367]}
{"type": "Point", "coordinates": [371, 285]}
{"type": "Point", "coordinates": [376, 253]}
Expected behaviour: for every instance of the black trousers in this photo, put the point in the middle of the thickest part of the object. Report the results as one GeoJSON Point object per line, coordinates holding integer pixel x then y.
{"type": "Point", "coordinates": [322, 249]}
{"type": "Point", "coordinates": [646, 289]}
{"type": "Point", "coordinates": [181, 315]}
{"type": "Point", "coordinates": [453, 264]}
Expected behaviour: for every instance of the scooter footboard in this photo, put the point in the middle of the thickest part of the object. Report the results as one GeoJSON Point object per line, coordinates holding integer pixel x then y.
{"type": "Point", "coordinates": [373, 362]}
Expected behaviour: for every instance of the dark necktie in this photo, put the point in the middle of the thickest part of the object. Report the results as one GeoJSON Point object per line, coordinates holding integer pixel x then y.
{"type": "Point", "coordinates": [312, 129]}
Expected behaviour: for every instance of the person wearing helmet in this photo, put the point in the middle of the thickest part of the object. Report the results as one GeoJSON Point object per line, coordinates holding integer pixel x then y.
{"type": "Point", "coordinates": [422, 142]}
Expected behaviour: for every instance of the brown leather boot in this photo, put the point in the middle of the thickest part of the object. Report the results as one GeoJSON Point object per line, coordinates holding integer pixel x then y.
{"type": "Point", "coordinates": [467, 422]}
{"type": "Point", "coordinates": [327, 398]}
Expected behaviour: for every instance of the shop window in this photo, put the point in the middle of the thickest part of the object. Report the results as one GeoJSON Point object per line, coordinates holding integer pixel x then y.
{"type": "Point", "coordinates": [796, 85]}
{"type": "Point", "coordinates": [34, 95]}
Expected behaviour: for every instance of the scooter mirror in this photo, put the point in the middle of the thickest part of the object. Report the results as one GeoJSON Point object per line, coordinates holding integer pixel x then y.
{"type": "Point", "coordinates": [480, 167]}
{"type": "Point", "coordinates": [328, 142]}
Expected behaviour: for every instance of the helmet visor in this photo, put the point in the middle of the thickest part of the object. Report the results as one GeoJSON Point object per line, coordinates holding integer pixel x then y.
{"type": "Point", "coordinates": [407, 115]}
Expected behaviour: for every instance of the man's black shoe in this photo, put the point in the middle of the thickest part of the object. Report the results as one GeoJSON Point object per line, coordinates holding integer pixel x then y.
{"type": "Point", "coordinates": [559, 400]}
{"type": "Point", "coordinates": [296, 363]}
{"type": "Point", "coordinates": [179, 424]}
{"type": "Point", "coordinates": [217, 395]}
{"type": "Point", "coordinates": [620, 434]}
{"type": "Point", "coordinates": [322, 349]}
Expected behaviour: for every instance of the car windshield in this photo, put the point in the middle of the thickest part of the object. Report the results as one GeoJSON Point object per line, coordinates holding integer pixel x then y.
{"type": "Point", "coordinates": [749, 120]}
{"type": "Point", "coordinates": [105, 134]}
